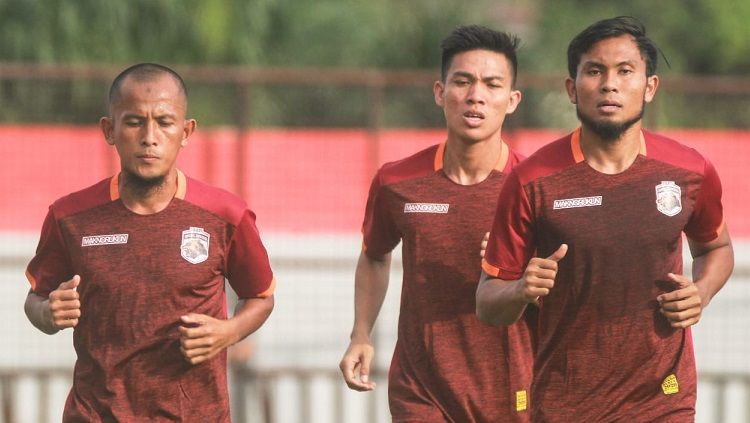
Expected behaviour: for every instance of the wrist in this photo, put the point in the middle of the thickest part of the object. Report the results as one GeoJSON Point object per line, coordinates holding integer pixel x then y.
{"type": "Point", "coordinates": [360, 337]}
{"type": "Point", "coordinates": [703, 293]}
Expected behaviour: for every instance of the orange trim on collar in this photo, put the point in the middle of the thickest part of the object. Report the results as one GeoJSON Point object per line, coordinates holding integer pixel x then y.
{"type": "Point", "coordinates": [114, 188]}
{"type": "Point", "coordinates": [504, 154]}
{"type": "Point", "coordinates": [499, 166]}
{"type": "Point", "coordinates": [575, 146]}
{"type": "Point", "coordinates": [643, 145]}
{"type": "Point", "coordinates": [181, 185]}
{"type": "Point", "coordinates": [439, 157]}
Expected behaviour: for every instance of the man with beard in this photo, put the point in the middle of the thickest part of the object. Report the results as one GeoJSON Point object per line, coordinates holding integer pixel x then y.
{"type": "Point", "coordinates": [136, 264]}
{"type": "Point", "coordinates": [588, 229]}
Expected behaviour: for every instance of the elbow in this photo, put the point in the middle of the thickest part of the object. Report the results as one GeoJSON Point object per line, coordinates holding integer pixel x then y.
{"type": "Point", "coordinates": [35, 314]}
{"type": "Point", "coordinates": [492, 313]}
{"type": "Point", "coordinates": [487, 313]}
{"type": "Point", "coordinates": [487, 318]}
{"type": "Point", "coordinates": [491, 317]}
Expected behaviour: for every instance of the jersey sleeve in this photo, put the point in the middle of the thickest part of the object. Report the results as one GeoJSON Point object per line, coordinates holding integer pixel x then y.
{"type": "Point", "coordinates": [248, 269]}
{"type": "Point", "coordinates": [708, 215]}
{"type": "Point", "coordinates": [512, 240]}
{"type": "Point", "coordinates": [379, 232]}
{"type": "Point", "coordinates": [51, 264]}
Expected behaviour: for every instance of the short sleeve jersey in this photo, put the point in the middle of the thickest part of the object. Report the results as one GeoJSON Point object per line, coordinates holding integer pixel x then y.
{"type": "Point", "coordinates": [605, 352]}
{"type": "Point", "coordinates": [139, 274]}
{"type": "Point", "coordinates": [447, 366]}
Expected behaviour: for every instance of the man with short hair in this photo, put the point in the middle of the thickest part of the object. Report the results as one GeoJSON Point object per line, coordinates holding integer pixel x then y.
{"type": "Point", "coordinates": [589, 230]}
{"type": "Point", "coordinates": [137, 264]}
{"type": "Point", "coordinates": [447, 366]}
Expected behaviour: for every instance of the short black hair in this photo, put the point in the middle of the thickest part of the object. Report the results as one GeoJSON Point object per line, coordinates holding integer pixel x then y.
{"type": "Point", "coordinates": [477, 37]}
{"type": "Point", "coordinates": [144, 72]}
{"type": "Point", "coordinates": [610, 28]}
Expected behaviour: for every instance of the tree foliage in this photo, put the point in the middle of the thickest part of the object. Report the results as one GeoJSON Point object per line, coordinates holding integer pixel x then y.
{"type": "Point", "coordinates": [709, 37]}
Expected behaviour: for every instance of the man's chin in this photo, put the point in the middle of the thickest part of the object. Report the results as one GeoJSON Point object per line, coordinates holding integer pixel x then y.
{"type": "Point", "coordinates": [606, 128]}
{"type": "Point", "coordinates": [146, 180]}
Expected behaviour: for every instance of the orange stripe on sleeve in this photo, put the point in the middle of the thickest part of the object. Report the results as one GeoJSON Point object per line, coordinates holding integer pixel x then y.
{"type": "Point", "coordinates": [31, 279]}
{"type": "Point", "coordinates": [721, 227]}
{"type": "Point", "coordinates": [268, 292]}
{"type": "Point", "coordinates": [490, 269]}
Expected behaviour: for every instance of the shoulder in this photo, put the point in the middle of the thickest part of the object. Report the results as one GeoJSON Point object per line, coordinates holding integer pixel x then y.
{"type": "Point", "coordinates": [218, 201]}
{"type": "Point", "coordinates": [414, 166]}
{"type": "Point", "coordinates": [82, 200]}
{"type": "Point", "coordinates": [549, 159]}
{"type": "Point", "coordinates": [674, 153]}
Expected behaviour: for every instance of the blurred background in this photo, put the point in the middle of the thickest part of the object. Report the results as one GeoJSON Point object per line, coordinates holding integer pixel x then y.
{"type": "Point", "coordinates": [298, 103]}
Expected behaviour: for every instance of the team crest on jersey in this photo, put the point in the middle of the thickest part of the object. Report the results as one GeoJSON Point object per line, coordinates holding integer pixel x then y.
{"type": "Point", "coordinates": [668, 198]}
{"type": "Point", "coordinates": [194, 247]}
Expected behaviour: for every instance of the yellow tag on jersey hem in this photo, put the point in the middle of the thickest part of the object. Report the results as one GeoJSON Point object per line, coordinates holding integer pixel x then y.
{"type": "Point", "coordinates": [522, 401]}
{"type": "Point", "coordinates": [670, 385]}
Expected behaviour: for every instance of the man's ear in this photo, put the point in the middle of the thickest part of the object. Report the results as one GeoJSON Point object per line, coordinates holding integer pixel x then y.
{"type": "Point", "coordinates": [570, 88]}
{"type": "Point", "coordinates": [107, 126]}
{"type": "Point", "coordinates": [188, 129]}
{"type": "Point", "coordinates": [438, 88]}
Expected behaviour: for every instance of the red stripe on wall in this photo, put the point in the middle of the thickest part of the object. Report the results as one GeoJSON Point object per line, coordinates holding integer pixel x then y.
{"type": "Point", "coordinates": [310, 180]}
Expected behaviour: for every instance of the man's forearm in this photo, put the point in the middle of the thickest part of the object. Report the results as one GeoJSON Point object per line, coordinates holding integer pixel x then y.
{"type": "Point", "coordinates": [497, 302]}
{"type": "Point", "coordinates": [249, 316]}
{"type": "Point", "coordinates": [370, 287]}
{"type": "Point", "coordinates": [712, 270]}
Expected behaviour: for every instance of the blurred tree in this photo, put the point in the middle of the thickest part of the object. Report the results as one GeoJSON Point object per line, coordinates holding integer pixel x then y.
{"type": "Point", "coordinates": [698, 37]}
{"type": "Point", "coordinates": [340, 33]}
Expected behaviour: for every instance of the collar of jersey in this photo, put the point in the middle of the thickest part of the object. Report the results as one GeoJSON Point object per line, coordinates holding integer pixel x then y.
{"type": "Point", "coordinates": [499, 166]}
{"type": "Point", "coordinates": [114, 188]}
{"type": "Point", "coordinates": [575, 145]}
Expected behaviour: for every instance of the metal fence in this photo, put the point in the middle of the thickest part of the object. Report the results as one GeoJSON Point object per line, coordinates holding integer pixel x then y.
{"type": "Point", "coordinates": [265, 400]}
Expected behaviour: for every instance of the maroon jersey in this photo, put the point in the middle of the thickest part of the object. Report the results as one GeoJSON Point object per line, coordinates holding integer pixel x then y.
{"type": "Point", "coordinates": [447, 366]}
{"type": "Point", "coordinates": [139, 274]}
{"type": "Point", "coordinates": [605, 352]}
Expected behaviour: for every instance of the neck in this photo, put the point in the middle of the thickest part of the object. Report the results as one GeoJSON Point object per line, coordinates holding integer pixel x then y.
{"type": "Point", "coordinates": [147, 196]}
{"type": "Point", "coordinates": [469, 164]}
{"type": "Point", "coordinates": [611, 156]}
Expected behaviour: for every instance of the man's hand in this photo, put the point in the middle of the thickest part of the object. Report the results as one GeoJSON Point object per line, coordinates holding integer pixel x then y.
{"type": "Point", "coordinates": [540, 274]}
{"type": "Point", "coordinates": [202, 337]}
{"type": "Point", "coordinates": [683, 306]}
{"type": "Point", "coordinates": [355, 366]}
{"type": "Point", "coordinates": [64, 304]}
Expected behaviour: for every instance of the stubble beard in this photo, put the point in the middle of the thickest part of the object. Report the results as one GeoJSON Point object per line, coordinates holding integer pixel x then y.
{"type": "Point", "coordinates": [609, 131]}
{"type": "Point", "coordinates": [144, 186]}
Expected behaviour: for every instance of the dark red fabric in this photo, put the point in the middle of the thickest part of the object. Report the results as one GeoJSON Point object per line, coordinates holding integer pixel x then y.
{"type": "Point", "coordinates": [603, 347]}
{"type": "Point", "coordinates": [129, 366]}
{"type": "Point", "coordinates": [447, 366]}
